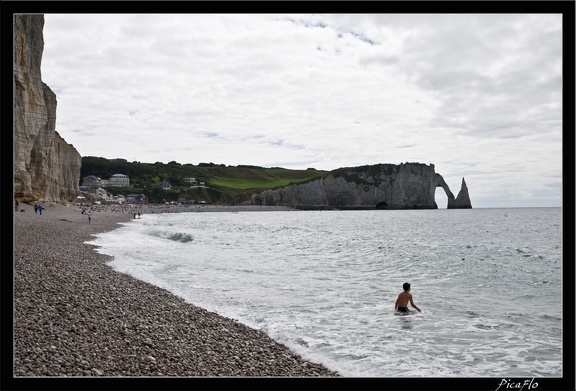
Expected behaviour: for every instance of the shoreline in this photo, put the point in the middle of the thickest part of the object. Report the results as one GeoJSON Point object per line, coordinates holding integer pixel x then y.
{"type": "Point", "coordinates": [74, 316]}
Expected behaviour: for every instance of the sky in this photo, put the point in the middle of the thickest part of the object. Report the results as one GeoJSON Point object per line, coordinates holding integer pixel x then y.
{"type": "Point", "coordinates": [477, 95]}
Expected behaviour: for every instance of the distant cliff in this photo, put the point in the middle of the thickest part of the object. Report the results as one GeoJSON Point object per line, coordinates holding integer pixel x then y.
{"type": "Point", "coordinates": [380, 186]}
{"type": "Point", "coordinates": [45, 166]}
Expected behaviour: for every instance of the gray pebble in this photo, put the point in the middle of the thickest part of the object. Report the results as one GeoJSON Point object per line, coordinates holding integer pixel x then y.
{"type": "Point", "coordinates": [74, 316]}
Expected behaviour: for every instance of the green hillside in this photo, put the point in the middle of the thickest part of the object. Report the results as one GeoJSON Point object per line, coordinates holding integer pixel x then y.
{"type": "Point", "coordinates": [223, 184]}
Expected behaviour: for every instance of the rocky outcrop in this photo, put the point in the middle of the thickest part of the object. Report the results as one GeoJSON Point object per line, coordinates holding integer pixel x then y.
{"type": "Point", "coordinates": [462, 200]}
{"type": "Point", "coordinates": [381, 186]}
{"type": "Point", "coordinates": [45, 166]}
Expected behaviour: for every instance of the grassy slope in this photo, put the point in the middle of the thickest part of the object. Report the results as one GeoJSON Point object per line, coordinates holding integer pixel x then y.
{"type": "Point", "coordinates": [261, 178]}
{"type": "Point", "coordinates": [223, 183]}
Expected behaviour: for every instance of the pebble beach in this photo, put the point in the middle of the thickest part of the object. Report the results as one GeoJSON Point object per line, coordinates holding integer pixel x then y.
{"type": "Point", "coordinates": [74, 316]}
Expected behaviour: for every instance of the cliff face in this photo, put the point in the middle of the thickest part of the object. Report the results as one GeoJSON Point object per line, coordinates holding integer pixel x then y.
{"type": "Point", "coordinates": [45, 166]}
{"type": "Point", "coordinates": [381, 186]}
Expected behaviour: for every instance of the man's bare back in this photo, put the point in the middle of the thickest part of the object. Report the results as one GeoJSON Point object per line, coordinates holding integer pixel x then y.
{"type": "Point", "coordinates": [404, 298]}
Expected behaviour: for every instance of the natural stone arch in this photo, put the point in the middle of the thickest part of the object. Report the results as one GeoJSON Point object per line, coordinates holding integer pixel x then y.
{"type": "Point", "coordinates": [440, 198]}
{"type": "Point", "coordinates": [460, 202]}
{"type": "Point", "coordinates": [440, 182]}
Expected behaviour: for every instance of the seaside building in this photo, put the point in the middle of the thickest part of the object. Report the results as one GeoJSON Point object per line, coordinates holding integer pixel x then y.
{"type": "Point", "coordinates": [119, 180]}
{"type": "Point", "coordinates": [120, 199]}
{"type": "Point", "coordinates": [136, 199]}
{"type": "Point", "coordinates": [102, 194]}
{"type": "Point", "coordinates": [91, 182]}
{"type": "Point", "coordinates": [191, 181]}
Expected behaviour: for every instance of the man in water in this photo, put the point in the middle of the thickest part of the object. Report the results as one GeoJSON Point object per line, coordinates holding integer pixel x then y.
{"type": "Point", "coordinates": [403, 299]}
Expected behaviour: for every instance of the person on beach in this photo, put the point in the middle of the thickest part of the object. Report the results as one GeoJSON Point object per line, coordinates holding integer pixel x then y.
{"type": "Point", "coordinates": [35, 207]}
{"type": "Point", "coordinates": [40, 208]}
{"type": "Point", "coordinates": [16, 206]}
{"type": "Point", "coordinates": [89, 216]}
{"type": "Point", "coordinates": [404, 298]}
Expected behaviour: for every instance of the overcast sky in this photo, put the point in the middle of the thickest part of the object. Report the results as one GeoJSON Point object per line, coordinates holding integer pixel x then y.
{"type": "Point", "coordinates": [479, 96]}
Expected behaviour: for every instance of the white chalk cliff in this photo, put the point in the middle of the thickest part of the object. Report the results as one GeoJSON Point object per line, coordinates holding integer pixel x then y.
{"type": "Point", "coordinates": [380, 186]}
{"type": "Point", "coordinates": [45, 166]}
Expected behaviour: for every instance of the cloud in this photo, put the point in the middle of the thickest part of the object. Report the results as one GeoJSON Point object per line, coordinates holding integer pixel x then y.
{"type": "Point", "coordinates": [322, 90]}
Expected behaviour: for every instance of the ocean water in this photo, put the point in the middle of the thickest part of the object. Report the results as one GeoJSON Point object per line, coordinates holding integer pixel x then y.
{"type": "Point", "coordinates": [324, 283]}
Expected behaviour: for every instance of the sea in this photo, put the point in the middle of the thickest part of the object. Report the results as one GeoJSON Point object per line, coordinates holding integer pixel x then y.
{"type": "Point", "coordinates": [324, 283]}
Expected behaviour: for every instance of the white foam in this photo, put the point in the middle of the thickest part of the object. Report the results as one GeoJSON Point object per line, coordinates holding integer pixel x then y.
{"type": "Point", "coordinates": [325, 284]}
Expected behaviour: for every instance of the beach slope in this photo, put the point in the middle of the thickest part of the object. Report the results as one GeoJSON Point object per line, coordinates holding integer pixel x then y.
{"type": "Point", "coordinates": [74, 316]}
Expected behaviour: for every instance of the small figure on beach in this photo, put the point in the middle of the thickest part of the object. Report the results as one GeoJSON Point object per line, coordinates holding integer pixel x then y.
{"type": "Point", "coordinates": [40, 208]}
{"type": "Point", "coordinates": [35, 207]}
{"type": "Point", "coordinates": [89, 216]}
{"type": "Point", "coordinates": [404, 298]}
{"type": "Point", "coordinates": [138, 214]}
{"type": "Point", "coordinates": [16, 205]}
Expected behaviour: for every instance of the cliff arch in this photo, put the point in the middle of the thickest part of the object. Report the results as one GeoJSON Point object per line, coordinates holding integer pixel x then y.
{"type": "Point", "coordinates": [380, 186]}
{"type": "Point", "coordinates": [440, 182]}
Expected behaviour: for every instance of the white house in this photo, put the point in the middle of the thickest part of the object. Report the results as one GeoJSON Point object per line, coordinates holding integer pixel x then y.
{"type": "Point", "coordinates": [191, 181]}
{"type": "Point", "coordinates": [91, 182]}
{"type": "Point", "coordinates": [119, 180]}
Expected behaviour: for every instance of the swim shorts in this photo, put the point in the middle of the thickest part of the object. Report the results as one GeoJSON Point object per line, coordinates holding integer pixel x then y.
{"type": "Point", "coordinates": [402, 309]}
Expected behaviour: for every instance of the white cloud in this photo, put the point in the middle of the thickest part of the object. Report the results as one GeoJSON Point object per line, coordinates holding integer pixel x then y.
{"type": "Point", "coordinates": [479, 96]}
